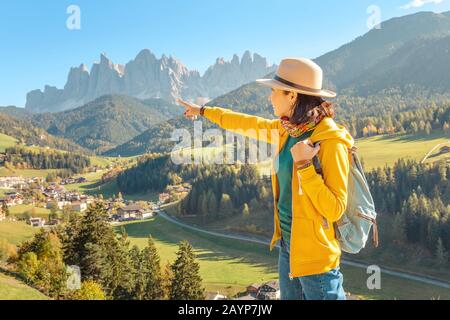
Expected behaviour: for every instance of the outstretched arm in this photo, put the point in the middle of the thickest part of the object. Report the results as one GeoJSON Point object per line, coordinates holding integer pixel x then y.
{"type": "Point", "coordinates": [248, 125]}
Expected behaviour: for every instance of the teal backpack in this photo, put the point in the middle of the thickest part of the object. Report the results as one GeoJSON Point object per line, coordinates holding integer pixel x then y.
{"type": "Point", "coordinates": [352, 230]}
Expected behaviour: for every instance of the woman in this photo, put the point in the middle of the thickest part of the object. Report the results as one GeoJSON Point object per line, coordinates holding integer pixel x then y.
{"type": "Point", "coordinates": [306, 203]}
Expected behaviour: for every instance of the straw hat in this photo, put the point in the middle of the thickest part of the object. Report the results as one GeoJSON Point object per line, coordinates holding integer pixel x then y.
{"type": "Point", "coordinates": [299, 75]}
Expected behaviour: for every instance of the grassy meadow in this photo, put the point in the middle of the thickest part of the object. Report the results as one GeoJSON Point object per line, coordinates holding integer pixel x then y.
{"type": "Point", "coordinates": [231, 265]}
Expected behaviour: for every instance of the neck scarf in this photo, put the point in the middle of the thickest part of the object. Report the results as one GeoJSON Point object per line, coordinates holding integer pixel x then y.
{"type": "Point", "coordinates": [315, 115]}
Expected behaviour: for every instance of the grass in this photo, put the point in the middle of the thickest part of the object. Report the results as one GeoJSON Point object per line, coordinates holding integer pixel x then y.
{"type": "Point", "coordinates": [13, 289]}
{"type": "Point", "coordinates": [230, 265]}
{"type": "Point", "coordinates": [16, 231]}
{"type": "Point", "coordinates": [22, 208]}
{"type": "Point", "coordinates": [6, 142]}
{"type": "Point", "coordinates": [26, 173]}
{"type": "Point", "coordinates": [381, 150]}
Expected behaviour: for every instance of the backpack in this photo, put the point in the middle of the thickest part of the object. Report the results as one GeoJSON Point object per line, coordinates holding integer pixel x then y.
{"type": "Point", "coordinates": [352, 230]}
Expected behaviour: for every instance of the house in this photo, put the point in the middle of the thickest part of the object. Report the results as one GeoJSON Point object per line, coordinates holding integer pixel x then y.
{"type": "Point", "coordinates": [246, 297]}
{"type": "Point", "coordinates": [37, 222]}
{"type": "Point", "coordinates": [81, 180]}
{"type": "Point", "coordinates": [79, 206]}
{"type": "Point", "coordinates": [133, 212]}
{"type": "Point", "coordinates": [253, 288]}
{"type": "Point", "coordinates": [11, 201]}
{"type": "Point", "coordinates": [11, 182]}
{"type": "Point", "coordinates": [16, 197]}
{"type": "Point", "coordinates": [60, 204]}
{"type": "Point", "coordinates": [215, 296]}
{"type": "Point", "coordinates": [269, 291]}
{"type": "Point", "coordinates": [164, 197]}
{"type": "Point", "coordinates": [144, 215]}
{"type": "Point", "coordinates": [7, 201]}
{"type": "Point", "coordinates": [445, 149]}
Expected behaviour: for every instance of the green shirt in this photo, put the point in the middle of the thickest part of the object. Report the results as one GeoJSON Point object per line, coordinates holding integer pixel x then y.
{"type": "Point", "coordinates": [285, 182]}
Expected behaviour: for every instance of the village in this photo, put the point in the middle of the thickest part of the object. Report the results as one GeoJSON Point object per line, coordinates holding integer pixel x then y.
{"type": "Point", "coordinates": [55, 197]}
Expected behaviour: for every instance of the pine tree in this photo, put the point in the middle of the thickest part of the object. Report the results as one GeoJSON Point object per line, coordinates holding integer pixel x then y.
{"type": "Point", "coordinates": [186, 283]}
{"type": "Point", "coordinates": [441, 253]}
{"type": "Point", "coordinates": [399, 229]}
{"type": "Point", "coordinates": [151, 269]}
{"type": "Point", "coordinates": [167, 279]}
{"type": "Point", "coordinates": [212, 204]}
{"type": "Point", "coordinates": [122, 267]}
{"type": "Point", "coordinates": [137, 292]}
{"type": "Point", "coordinates": [226, 206]}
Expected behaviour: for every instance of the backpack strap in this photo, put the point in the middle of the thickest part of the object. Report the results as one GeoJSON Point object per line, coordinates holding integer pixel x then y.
{"type": "Point", "coordinates": [316, 160]}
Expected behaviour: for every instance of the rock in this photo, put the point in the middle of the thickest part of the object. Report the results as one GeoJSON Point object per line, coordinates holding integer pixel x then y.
{"type": "Point", "coordinates": [148, 77]}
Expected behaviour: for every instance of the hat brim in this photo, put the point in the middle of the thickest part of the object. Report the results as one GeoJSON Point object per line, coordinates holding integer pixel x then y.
{"type": "Point", "coordinates": [272, 83]}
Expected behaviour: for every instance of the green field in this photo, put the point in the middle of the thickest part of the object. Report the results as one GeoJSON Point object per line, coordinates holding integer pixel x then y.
{"type": "Point", "coordinates": [378, 151]}
{"type": "Point", "coordinates": [13, 289]}
{"type": "Point", "coordinates": [16, 231]}
{"type": "Point", "coordinates": [27, 173]}
{"type": "Point", "coordinates": [6, 142]}
{"type": "Point", "coordinates": [231, 265]}
{"type": "Point", "coordinates": [22, 208]}
{"type": "Point", "coordinates": [381, 150]}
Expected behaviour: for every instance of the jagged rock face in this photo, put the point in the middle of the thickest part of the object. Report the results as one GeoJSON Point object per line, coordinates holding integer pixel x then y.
{"type": "Point", "coordinates": [148, 77]}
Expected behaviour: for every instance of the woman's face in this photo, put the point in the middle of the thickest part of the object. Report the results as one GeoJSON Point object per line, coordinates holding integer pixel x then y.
{"type": "Point", "coordinates": [282, 103]}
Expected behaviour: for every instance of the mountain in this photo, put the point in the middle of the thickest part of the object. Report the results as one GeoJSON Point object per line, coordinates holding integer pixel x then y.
{"type": "Point", "coordinates": [107, 121]}
{"type": "Point", "coordinates": [343, 66]}
{"type": "Point", "coordinates": [419, 65]}
{"type": "Point", "coordinates": [399, 65]}
{"type": "Point", "coordinates": [250, 98]}
{"type": "Point", "coordinates": [29, 134]}
{"type": "Point", "coordinates": [154, 140]}
{"type": "Point", "coordinates": [147, 77]}
{"type": "Point", "coordinates": [20, 113]}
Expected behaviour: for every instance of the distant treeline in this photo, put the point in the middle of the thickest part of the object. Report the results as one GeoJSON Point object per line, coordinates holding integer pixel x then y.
{"type": "Point", "coordinates": [27, 159]}
{"type": "Point", "coordinates": [223, 191]}
{"type": "Point", "coordinates": [217, 191]}
{"type": "Point", "coordinates": [417, 199]}
{"type": "Point", "coordinates": [423, 119]}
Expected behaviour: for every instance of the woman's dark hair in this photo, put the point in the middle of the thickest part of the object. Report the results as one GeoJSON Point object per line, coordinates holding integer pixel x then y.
{"type": "Point", "coordinates": [307, 107]}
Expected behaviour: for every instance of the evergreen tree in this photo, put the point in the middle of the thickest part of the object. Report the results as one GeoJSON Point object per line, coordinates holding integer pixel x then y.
{"type": "Point", "coordinates": [186, 283]}
{"type": "Point", "coordinates": [441, 253]}
{"type": "Point", "coordinates": [166, 281]}
{"type": "Point", "coordinates": [226, 206]}
{"type": "Point", "coordinates": [151, 269]}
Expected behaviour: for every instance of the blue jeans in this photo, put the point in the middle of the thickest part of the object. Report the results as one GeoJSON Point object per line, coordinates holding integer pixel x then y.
{"type": "Point", "coordinates": [325, 286]}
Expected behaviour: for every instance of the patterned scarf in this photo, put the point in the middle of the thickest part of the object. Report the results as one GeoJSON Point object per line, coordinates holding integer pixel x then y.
{"type": "Point", "coordinates": [315, 115]}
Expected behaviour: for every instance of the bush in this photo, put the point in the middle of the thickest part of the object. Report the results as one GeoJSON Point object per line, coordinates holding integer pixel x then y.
{"type": "Point", "coordinates": [7, 250]}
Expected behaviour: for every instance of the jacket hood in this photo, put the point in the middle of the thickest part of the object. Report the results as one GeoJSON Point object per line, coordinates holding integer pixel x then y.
{"type": "Point", "coordinates": [329, 129]}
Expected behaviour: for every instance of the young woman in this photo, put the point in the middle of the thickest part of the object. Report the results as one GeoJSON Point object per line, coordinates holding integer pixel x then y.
{"type": "Point", "coordinates": [306, 202]}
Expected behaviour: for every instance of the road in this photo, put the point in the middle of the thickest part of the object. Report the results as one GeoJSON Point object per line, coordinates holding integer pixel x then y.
{"type": "Point", "coordinates": [407, 276]}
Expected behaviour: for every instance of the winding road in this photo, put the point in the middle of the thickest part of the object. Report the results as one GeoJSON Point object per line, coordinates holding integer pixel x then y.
{"type": "Point", "coordinates": [403, 275]}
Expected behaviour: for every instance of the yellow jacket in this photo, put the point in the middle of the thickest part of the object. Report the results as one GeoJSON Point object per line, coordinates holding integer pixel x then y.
{"type": "Point", "coordinates": [314, 248]}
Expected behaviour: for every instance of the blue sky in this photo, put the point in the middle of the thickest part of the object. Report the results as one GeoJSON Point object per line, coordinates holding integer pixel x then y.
{"type": "Point", "coordinates": [37, 48]}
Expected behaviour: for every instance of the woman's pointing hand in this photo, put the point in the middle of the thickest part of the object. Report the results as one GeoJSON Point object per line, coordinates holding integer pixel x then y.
{"type": "Point", "coordinates": [192, 110]}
